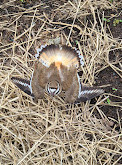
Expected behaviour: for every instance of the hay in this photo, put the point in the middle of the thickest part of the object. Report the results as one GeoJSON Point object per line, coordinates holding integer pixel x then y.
{"type": "Point", "coordinates": [52, 132]}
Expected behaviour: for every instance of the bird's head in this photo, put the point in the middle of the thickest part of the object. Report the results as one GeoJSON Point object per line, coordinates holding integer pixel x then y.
{"type": "Point", "coordinates": [53, 88]}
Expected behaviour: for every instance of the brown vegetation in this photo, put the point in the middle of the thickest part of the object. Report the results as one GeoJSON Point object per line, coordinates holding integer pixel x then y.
{"type": "Point", "coordinates": [51, 132]}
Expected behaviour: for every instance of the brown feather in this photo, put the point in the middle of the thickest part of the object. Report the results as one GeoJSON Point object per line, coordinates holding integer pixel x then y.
{"type": "Point", "coordinates": [88, 93]}
{"type": "Point", "coordinates": [55, 72]}
{"type": "Point", "coordinates": [59, 54]}
{"type": "Point", "coordinates": [23, 84]}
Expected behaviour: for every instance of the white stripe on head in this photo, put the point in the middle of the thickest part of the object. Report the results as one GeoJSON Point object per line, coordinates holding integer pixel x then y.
{"type": "Point", "coordinates": [58, 89]}
{"type": "Point", "coordinates": [52, 90]}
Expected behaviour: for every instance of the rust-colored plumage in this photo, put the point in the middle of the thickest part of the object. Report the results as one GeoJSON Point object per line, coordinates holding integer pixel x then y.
{"type": "Point", "coordinates": [55, 73]}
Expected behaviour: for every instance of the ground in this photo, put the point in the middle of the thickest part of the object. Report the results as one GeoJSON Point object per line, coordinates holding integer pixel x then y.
{"type": "Point", "coordinates": [52, 132]}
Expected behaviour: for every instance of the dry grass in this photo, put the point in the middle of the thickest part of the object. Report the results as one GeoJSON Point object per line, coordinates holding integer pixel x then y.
{"type": "Point", "coordinates": [51, 132]}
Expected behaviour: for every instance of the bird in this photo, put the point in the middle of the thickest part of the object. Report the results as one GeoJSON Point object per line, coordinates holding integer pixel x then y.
{"type": "Point", "coordinates": [56, 73]}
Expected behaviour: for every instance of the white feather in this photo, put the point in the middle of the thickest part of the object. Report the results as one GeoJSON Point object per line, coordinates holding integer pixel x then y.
{"type": "Point", "coordinates": [79, 85]}
{"type": "Point", "coordinates": [31, 82]}
{"type": "Point", "coordinates": [39, 50]}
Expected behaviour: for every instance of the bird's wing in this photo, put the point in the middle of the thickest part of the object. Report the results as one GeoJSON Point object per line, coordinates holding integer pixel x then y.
{"type": "Point", "coordinates": [23, 84]}
{"type": "Point", "coordinates": [88, 93]}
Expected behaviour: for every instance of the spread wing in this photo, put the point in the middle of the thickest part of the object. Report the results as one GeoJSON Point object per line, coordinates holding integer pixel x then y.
{"type": "Point", "coordinates": [23, 84]}
{"type": "Point", "coordinates": [88, 93]}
